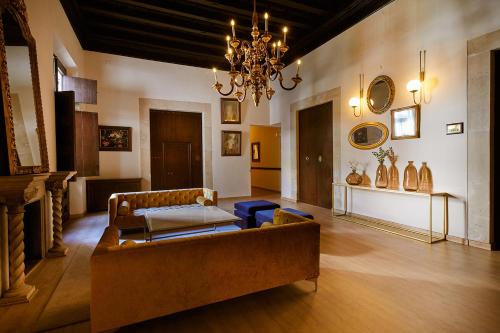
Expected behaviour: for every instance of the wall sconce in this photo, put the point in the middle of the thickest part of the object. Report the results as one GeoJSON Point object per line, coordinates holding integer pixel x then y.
{"type": "Point", "coordinates": [355, 102]}
{"type": "Point", "coordinates": [415, 86]}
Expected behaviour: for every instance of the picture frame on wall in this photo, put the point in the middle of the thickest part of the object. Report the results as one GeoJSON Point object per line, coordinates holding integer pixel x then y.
{"type": "Point", "coordinates": [454, 128]}
{"type": "Point", "coordinates": [255, 151]}
{"type": "Point", "coordinates": [231, 143]}
{"type": "Point", "coordinates": [405, 123]}
{"type": "Point", "coordinates": [115, 138]}
{"type": "Point", "coordinates": [230, 111]}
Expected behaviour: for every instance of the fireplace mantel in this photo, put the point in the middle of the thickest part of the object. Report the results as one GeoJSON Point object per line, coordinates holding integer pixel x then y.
{"type": "Point", "coordinates": [15, 193]}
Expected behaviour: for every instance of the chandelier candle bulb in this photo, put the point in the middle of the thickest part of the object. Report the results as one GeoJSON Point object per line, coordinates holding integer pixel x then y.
{"type": "Point", "coordinates": [285, 30]}
{"type": "Point", "coordinates": [298, 66]}
{"type": "Point", "coordinates": [279, 46]}
{"type": "Point", "coordinates": [266, 17]}
{"type": "Point", "coordinates": [227, 39]}
{"type": "Point", "coordinates": [215, 73]}
{"type": "Point", "coordinates": [232, 27]}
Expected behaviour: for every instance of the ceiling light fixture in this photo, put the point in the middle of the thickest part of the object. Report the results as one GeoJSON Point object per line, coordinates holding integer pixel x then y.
{"type": "Point", "coordinates": [259, 63]}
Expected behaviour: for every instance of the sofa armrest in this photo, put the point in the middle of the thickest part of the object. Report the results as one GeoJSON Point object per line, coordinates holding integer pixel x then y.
{"type": "Point", "coordinates": [110, 237]}
{"type": "Point", "coordinates": [112, 208]}
{"type": "Point", "coordinates": [211, 195]}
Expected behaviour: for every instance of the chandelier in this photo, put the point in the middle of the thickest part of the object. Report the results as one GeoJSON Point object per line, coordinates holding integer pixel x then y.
{"type": "Point", "coordinates": [255, 64]}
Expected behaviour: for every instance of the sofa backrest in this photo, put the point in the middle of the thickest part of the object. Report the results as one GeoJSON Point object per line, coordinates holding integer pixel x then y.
{"type": "Point", "coordinates": [160, 198]}
{"type": "Point", "coordinates": [137, 282]}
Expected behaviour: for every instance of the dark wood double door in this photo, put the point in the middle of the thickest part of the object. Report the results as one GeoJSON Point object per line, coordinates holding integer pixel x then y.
{"type": "Point", "coordinates": [315, 161]}
{"type": "Point", "coordinates": [176, 150]}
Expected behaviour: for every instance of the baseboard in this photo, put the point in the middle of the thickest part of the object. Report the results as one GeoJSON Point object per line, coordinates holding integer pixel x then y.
{"type": "Point", "coordinates": [480, 245]}
{"type": "Point", "coordinates": [454, 239]}
{"type": "Point", "coordinates": [77, 216]}
{"type": "Point", "coordinates": [267, 189]}
{"type": "Point", "coordinates": [289, 199]}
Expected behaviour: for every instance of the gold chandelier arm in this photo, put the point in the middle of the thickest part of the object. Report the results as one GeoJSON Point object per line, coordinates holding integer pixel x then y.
{"type": "Point", "coordinates": [218, 86]}
{"type": "Point", "coordinates": [296, 80]}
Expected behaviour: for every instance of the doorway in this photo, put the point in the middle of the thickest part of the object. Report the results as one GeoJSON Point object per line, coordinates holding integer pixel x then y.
{"type": "Point", "coordinates": [265, 148]}
{"type": "Point", "coordinates": [315, 155]}
{"type": "Point", "coordinates": [176, 150]}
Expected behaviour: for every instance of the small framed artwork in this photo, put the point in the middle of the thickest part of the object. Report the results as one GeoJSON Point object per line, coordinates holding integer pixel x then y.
{"type": "Point", "coordinates": [255, 151]}
{"type": "Point", "coordinates": [454, 128]}
{"type": "Point", "coordinates": [231, 143]}
{"type": "Point", "coordinates": [230, 111]}
{"type": "Point", "coordinates": [405, 123]}
{"type": "Point", "coordinates": [115, 138]}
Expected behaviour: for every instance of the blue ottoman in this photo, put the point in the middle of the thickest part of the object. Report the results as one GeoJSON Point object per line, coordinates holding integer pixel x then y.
{"type": "Point", "coordinates": [267, 215]}
{"type": "Point", "coordinates": [246, 210]}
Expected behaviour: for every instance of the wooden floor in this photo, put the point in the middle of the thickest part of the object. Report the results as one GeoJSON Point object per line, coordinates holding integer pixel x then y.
{"type": "Point", "coordinates": [370, 281]}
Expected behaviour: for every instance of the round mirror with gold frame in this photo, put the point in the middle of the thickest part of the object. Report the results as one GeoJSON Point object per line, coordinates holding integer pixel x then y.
{"type": "Point", "coordinates": [380, 94]}
{"type": "Point", "coordinates": [368, 135]}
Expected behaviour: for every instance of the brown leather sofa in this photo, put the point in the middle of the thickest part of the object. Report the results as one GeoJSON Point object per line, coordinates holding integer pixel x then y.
{"type": "Point", "coordinates": [126, 210]}
{"type": "Point", "coordinates": [136, 282]}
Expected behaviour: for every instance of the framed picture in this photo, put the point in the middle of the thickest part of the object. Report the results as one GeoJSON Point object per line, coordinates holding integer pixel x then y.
{"type": "Point", "coordinates": [405, 123]}
{"type": "Point", "coordinates": [230, 111]}
{"type": "Point", "coordinates": [255, 151]}
{"type": "Point", "coordinates": [454, 128]}
{"type": "Point", "coordinates": [231, 143]}
{"type": "Point", "coordinates": [115, 138]}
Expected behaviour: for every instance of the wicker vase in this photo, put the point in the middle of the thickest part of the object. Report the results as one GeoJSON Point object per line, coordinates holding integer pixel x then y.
{"type": "Point", "coordinates": [424, 179]}
{"type": "Point", "coordinates": [410, 182]}
{"type": "Point", "coordinates": [381, 177]}
{"type": "Point", "coordinates": [393, 177]}
{"type": "Point", "coordinates": [354, 178]}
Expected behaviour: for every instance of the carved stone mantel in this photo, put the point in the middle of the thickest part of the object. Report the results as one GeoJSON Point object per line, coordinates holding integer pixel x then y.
{"type": "Point", "coordinates": [15, 193]}
{"type": "Point", "coordinates": [56, 184]}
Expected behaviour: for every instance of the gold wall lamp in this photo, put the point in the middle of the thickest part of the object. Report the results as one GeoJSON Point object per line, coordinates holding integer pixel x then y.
{"type": "Point", "coordinates": [415, 86]}
{"type": "Point", "coordinates": [355, 102]}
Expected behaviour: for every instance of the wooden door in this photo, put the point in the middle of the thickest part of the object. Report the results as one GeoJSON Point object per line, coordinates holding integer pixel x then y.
{"type": "Point", "coordinates": [87, 143]}
{"type": "Point", "coordinates": [315, 158]}
{"type": "Point", "coordinates": [176, 150]}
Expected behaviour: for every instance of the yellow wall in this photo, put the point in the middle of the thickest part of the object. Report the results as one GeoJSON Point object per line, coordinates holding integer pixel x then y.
{"type": "Point", "coordinates": [270, 157]}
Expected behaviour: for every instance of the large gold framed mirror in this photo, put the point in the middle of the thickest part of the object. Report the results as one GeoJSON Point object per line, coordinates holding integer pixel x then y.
{"type": "Point", "coordinates": [380, 94]}
{"type": "Point", "coordinates": [23, 132]}
{"type": "Point", "coordinates": [368, 135]}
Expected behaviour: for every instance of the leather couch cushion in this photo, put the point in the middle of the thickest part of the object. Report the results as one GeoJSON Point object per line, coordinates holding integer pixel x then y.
{"type": "Point", "coordinates": [123, 209]}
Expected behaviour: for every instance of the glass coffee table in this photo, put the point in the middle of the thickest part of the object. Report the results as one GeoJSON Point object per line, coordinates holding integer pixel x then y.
{"type": "Point", "coordinates": [184, 220]}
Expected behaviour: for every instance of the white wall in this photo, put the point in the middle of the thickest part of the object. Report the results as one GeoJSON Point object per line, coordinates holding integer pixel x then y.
{"type": "Point", "coordinates": [122, 81]}
{"type": "Point", "coordinates": [388, 42]}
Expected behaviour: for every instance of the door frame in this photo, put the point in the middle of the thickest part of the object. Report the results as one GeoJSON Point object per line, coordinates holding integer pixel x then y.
{"type": "Point", "coordinates": [145, 104]}
{"type": "Point", "coordinates": [332, 96]}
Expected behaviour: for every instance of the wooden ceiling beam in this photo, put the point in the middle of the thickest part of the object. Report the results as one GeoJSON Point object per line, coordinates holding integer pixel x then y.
{"type": "Point", "coordinates": [299, 7]}
{"type": "Point", "coordinates": [161, 36]}
{"type": "Point", "coordinates": [247, 13]}
{"type": "Point", "coordinates": [128, 18]}
{"type": "Point", "coordinates": [148, 47]}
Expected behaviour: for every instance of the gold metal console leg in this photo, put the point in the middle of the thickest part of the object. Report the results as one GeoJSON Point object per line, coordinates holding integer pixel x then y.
{"type": "Point", "coordinates": [430, 219]}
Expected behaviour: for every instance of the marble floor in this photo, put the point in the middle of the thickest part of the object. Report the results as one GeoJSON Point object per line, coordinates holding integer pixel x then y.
{"type": "Point", "coordinates": [370, 281]}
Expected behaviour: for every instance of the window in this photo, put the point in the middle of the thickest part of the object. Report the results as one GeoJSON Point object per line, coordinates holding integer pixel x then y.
{"type": "Point", "coordinates": [59, 73]}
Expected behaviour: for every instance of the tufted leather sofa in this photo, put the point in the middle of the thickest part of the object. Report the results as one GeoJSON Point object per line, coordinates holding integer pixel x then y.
{"type": "Point", "coordinates": [133, 282]}
{"type": "Point", "coordinates": [126, 210]}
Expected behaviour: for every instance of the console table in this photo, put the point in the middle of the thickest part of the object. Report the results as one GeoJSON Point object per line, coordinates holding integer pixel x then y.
{"type": "Point", "coordinates": [99, 190]}
{"type": "Point", "coordinates": [431, 195]}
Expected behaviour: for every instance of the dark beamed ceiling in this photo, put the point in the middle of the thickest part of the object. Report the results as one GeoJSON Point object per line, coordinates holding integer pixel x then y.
{"type": "Point", "coordinates": [192, 32]}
